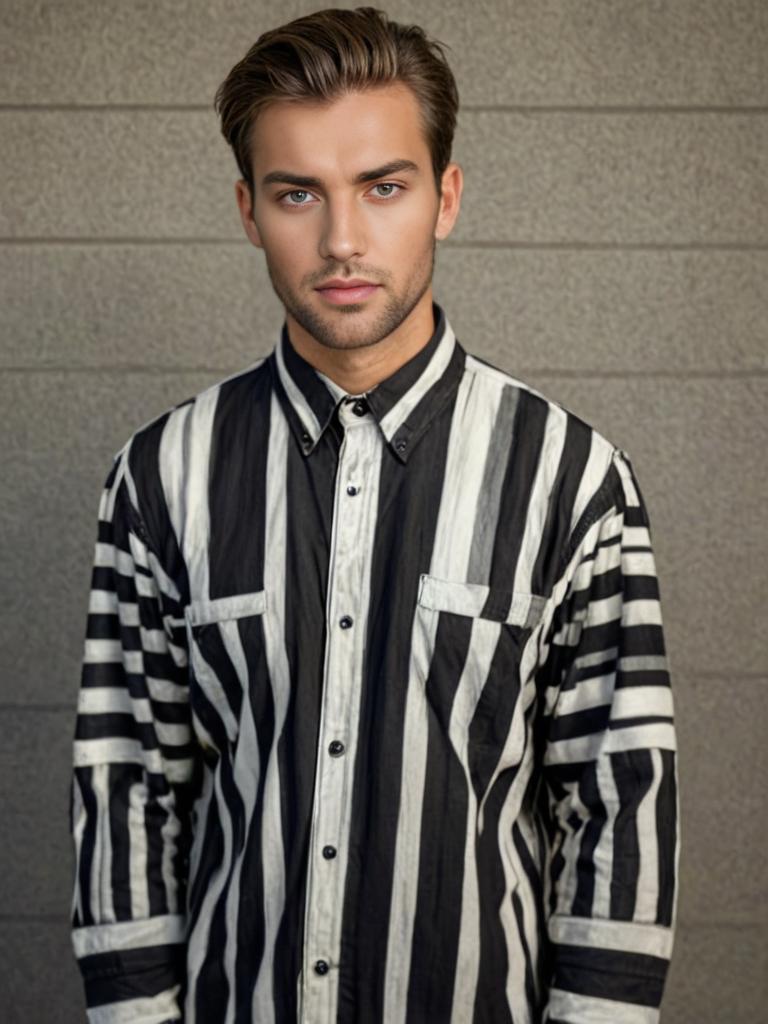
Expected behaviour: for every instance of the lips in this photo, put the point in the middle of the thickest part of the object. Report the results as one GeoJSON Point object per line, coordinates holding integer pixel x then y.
{"type": "Point", "coordinates": [340, 292]}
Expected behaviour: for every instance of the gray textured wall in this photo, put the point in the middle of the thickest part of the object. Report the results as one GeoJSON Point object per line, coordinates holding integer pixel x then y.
{"type": "Point", "coordinates": [612, 250]}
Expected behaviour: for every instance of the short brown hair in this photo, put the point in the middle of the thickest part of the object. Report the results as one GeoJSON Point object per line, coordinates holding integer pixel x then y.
{"type": "Point", "coordinates": [322, 55]}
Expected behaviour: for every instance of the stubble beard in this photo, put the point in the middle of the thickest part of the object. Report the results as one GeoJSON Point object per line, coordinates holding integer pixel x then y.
{"type": "Point", "coordinates": [326, 330]}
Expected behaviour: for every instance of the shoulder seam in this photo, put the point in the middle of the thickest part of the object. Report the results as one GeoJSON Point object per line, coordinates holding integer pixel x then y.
{"type": "Point", "coordinates": [603, 500]}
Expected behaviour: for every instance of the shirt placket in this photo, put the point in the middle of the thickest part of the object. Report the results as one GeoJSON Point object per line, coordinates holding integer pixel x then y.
{"type": "Point", "coordinates": [346, 606]}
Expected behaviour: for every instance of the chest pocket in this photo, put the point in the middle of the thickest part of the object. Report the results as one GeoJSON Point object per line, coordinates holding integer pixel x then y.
{"type": "Point", "coordinates": [226, 657]}
{"type": "Point", "coordinates": [474, 636]}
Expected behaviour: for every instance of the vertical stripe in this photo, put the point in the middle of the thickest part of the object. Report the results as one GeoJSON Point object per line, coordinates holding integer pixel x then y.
{"type": "Point", "coordinates": [202, 940]}
{"type": "Point", "coordinates": [668, 838]}
{"type": "Point", "coordinates": [138, 850]}
{"type": "Point", "coordinates": [603, 852]}
{"type": "Point", "coordinates": [433, 965]}
{"type": "Point", "coordinates": [406, 867]}
{"type": "Point", "coordinates": [592, 815]}
{"type": "Point", "coordinates": [496, 448]}
{"type": "Point", "coordinates": [245, 777]}
{"type": "Point", "coordinates": [448, 559]}
{"type": "Point", "coordinates": [453, 806]}
{"type": "Point", "coordinates": [541, 495]}
{"type": "Point", "coordinates": [239, 445]}
{"type": "Point", "coordinates": [560, 509]}
{"type": "Point", "coordinates": [521, 467]}
{"type": "Point", "coordinates": [647, 898]}
{"type": "Point", "coordinates": [272, 855]}
{"type": "Point", "coordinates": [485, 635]}
{"type": "Point", "coordinates": [120, 840]}
{"type": "Point", "coordinates": [516, 910]}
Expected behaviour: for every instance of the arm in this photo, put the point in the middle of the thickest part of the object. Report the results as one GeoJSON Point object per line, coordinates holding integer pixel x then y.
{"type": "Point", "coordinates": [610, 771]}
{"type": "Point", "coordinates": [131, 784]}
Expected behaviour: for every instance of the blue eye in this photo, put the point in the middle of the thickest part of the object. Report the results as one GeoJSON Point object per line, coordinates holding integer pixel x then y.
{"type": "Point", "coordinates": [296, 192]}
{"type": "Point", "coordinates": [389, 185]}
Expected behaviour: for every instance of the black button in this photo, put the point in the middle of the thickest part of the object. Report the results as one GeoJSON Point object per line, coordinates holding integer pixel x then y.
{"type": "Point", "coordinates": [306, 440]}
{"type": "Point", "coordinates": [321, 967]}
{"type": "Point", "coordinates": [360, 408]}
{"type": "Point", "coordinates": [335, 748]}
{"type": "Point", "coordinates": [401, 445]}
{"type": "Point", "coordinates": [351, 489]}
{"type": "Point", "coordinates": [345, 621]}
{"type": "Point", "coordinates": [329, 852]}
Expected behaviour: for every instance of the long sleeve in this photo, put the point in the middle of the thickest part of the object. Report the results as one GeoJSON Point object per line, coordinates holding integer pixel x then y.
{"type": "Point", "coordinates": [130, 790]}
{"type": "Point", "coordinates": [609, 765]}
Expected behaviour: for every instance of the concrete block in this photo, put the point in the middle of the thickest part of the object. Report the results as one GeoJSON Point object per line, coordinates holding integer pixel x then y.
{"type": "Point", "coordinates": [560, 53]}
{"type": "Point", "coordinates": [130, 174]}
{"type": "Point", "coordinates": [581, 179]}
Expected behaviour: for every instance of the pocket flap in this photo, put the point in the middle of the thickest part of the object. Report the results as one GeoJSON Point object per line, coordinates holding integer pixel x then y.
{"type": "Point", "coordinates": [480, 601]}
{"type": "Point", "coordinates": [199, 613]}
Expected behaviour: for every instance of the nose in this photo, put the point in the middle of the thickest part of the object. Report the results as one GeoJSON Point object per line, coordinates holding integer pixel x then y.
{"type": "Point", "coordinates": [343, 232]}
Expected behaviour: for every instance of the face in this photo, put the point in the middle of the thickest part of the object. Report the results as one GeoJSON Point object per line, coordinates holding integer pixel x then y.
{"type": "Point", "coordinates": [345, 192]}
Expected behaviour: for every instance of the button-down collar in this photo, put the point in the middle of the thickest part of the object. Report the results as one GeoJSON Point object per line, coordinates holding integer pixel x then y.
{"type": "Point", "coordinates": [403, 405]}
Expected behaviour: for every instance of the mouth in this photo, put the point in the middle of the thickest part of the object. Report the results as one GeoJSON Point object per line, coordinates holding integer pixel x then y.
{"type": "Point", "coordinates": [344, 294]}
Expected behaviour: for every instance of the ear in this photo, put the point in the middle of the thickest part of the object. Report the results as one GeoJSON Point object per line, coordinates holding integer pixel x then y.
{"type": "Point", "coordinates": [245, 206]}
{"type": "Point", "coordinates": [452, 183]}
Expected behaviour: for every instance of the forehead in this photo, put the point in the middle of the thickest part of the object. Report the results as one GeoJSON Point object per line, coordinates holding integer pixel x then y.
{"type": "Point", "coordinates": [353, 131]}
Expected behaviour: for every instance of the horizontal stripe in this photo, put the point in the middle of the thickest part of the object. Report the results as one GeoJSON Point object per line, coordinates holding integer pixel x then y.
{"type": "Point", "coordinates": [642, 700]}
{"type": "Point", "coordinates": [587, 748]}
{"type": "Point", "coordinates": [152, 1010]}
{"type": "Point", "coordinates": [570, 1006]}
{"type": "Point", "coordinates": [201, 612]}
{"type": "Point", "coordinates": [626, 936]}
{"type": "Point", "coordinates": [106, 938]}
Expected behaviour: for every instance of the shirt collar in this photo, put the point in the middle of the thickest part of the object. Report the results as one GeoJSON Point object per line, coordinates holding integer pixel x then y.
{"type": "Point", "coordinates": [403, 405]}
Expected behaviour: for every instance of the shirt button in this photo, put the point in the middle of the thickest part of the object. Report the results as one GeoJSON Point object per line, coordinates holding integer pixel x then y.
{"type": "Point", "coordinates": [335, 748]}
{"type": "Point", "coordinates": [345, 621]}
{"type": "Point", "coordinates": [352, 490]}
{"type": "Point", "coordinates": [329, 852]}
{"type": "Point", "coordinates": [321, 967]}
{"type": "Point", "coordinates": [359, 408]}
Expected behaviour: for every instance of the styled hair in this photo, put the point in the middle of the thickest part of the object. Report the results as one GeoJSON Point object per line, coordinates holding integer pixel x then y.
{"type": "Point", "coordinates": [327, 53]}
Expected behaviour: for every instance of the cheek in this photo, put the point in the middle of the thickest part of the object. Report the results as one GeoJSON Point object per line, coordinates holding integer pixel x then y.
{"type": "Point", "coordinates": [402, 232]}
{"type": "Point", "coordinates": [288, 247]}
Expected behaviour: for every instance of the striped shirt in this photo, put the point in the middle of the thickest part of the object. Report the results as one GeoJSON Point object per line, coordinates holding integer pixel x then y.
{"type": "Point", "coordinates": [375, 722]}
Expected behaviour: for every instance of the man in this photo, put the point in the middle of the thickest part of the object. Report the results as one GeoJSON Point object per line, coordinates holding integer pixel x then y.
{"type": "Point", "coordinates": [375, 723]}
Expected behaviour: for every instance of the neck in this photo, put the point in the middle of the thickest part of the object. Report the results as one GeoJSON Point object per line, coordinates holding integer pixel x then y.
{"type": "Point", "coordinates": [360, 369]}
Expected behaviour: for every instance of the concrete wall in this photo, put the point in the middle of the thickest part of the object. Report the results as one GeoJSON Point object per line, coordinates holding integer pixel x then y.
{"type": "Point", "coordinates": [612, 250]}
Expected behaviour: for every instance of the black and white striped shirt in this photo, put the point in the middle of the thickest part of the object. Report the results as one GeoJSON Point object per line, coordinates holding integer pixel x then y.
{"type": "Point", "coordinates": [375, 721]}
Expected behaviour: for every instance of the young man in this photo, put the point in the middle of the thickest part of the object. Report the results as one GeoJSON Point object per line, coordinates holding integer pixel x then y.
{"type": "Point", "coordinates": [375, 722]}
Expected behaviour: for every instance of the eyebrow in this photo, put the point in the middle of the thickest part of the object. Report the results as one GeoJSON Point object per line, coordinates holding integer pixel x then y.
{"type": "Point", "coordinates": [303, 181]}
